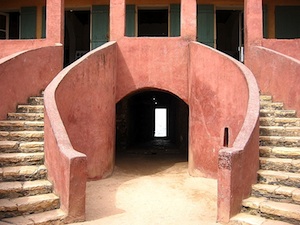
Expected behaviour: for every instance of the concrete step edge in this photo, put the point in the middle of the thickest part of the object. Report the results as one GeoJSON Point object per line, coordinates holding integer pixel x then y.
{"type": "Point", "coordinates": [286, 212]}
{"type": "Point", "coordinates": [277, 192]}
{"type": "Point", "coordinates": [247, 219]}
{"type": "Point", "coordinates": [27, 205]}
{"type": "Point", "coordinates": [15, 189]}
{"type": "Point", "coordinates": [49, 217]}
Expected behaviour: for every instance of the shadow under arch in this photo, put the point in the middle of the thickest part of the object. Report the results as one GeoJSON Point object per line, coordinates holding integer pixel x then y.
{"type": "Point", "coordinates": [135, 124]}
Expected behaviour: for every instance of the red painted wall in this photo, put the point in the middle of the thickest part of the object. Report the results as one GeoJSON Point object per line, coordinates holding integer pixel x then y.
{"type": "Point", "coordinates": [152, 62]}
{"type": "Point", "coordinates": [277, 74]}
{"type": "Point", "coordinates": [289, 47]}
{"type": "Point", "coordinates": [219, 96]}
{"type": "Point", "coordinates": [26, 74]}
{"type": "Point", "coordinates": [80, 127]}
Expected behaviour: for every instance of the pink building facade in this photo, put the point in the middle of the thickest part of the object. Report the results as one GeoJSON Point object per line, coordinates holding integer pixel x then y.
{"type": "Point", "coordinates": [214, 56]}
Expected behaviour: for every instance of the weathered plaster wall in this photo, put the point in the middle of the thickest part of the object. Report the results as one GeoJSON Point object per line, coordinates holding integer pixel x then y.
{"type": "Point", "coordinates": [87, 96]}
{"type": "Point", "coordinates": [214, 105]}
{"type": "Point", "coordinates": [54, 27]}
{"type": "Point", "coordinates": [20, 77]}
{"type": "Point", "coordinates": [277, 74]}
{"type": "Point", "coordinates": [289, 47]}
{"type": "Point", "coordinates": [9, 47]}
{"type": "Point", "coordinates": [152, 62]}
{"type": "Point", "coordinates": [80, 118]}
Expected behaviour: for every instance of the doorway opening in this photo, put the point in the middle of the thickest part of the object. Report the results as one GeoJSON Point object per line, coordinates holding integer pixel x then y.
{"type": "Point", "coordinates": [152, 122]}
{"type": "Point", "coordinates": [77, 35]}
{"type": "Point", "coordinates": [153, 22]}
{"type": "Point", "coordinates": [230, 33]}
{"type": "Point", "coordinates": [161, 119]}
{"type": "Point", "coordinates": [10, 25]}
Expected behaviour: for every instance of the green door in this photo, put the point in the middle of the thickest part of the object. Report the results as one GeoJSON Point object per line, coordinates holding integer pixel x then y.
{"type": "Point", "coordinates": [100, 25]}
{"type": "Point", "coordinates": [175, 20]}
{"type": "Point", "coordinates": [130, 21]}
{"type": "Point", "coordinates": [205, 24]}
{"type": "Point", "coordinates": [28, 22]}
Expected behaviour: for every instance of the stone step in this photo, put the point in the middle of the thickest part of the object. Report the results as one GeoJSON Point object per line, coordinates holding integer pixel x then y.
{"type": "Point", "coordinates": [271, 105]}
{"type": "Point", "coordinates": [10, 125]}
{"type": "Point", "coordinates": [277, 113]}
{"type": "Point", "coordinates": [21, 159]}
{"type": "Point", "coordinates": [23, 173]}
{"type": "Point", "coordinates": [279, 178]}
{"type": "Point", "coordinates": [38, 100]}
{"type": "Point", "coordinates": [15, 147]}
{"type": "Point", "coordinates": [280, 152]}
{"type": "Point", "coordinates": [27, 205]}
{"type": "Point", "coordinates": [280, 164]}
{"type": "Point", "coordinates": [279, 141]}
{"type": "Point", "coordinates": [30, 108]}
{"type": "Point", "coordinates": [279, 131]}
{"type": "Point", "coordinates": [247, 219]}
{"type": "Point", "coordinates": [16, 189]}
{"type": "Point", "coordinates": [277, 193]}
{"type": "Point", "coordinates": [279, 121]}
{"type": "Point", "coordinates": [26, 116]}
{"type": "Point", "coordinates": [22, 135]}
{"type": "Point", "coordinates": [265, 98]}
{"type": "Point", "coordinates": [286, 212]}
{"type": "Point", "coordinates": [53, 217]}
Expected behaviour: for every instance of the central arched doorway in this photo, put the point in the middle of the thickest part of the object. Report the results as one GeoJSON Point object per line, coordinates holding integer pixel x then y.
{"type": "Point", "coordinates": [152, 122]}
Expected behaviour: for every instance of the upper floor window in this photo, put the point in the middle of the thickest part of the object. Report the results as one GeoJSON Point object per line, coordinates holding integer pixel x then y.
{"type": "Point", "coordinates": [4, 26]}
{"type": "Point", "coordinates": [153, 21]}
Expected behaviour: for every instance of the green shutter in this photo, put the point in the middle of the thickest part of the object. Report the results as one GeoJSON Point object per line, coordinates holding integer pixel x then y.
{"type": "Point", "coordinates": [28, 22]}
{"type": "Point", "coordinates": [287, 20]}
{"type": "Point", "coordinates": [175, 20]}
{"type": "Point", "coordinates": [205, 24]}
{"type": "Point", "coordinates": [130, 21]}
{"type": "Point", "coordinates": [44, 22]}
{"type": "Point", "coordinates": [100, 25]}
{"type": "Point", "coordinates": [265, 21]}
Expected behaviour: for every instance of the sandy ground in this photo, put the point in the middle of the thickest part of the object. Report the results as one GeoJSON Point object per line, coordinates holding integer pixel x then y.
{"type": "Point", "coordinates": [151, 189]}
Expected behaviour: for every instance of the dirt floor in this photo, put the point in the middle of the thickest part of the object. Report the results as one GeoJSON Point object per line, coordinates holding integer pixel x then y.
{"type": "Point", "coordinates": [151, 189]}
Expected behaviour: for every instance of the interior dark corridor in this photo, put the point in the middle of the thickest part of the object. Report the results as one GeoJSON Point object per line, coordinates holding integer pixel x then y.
{"type": "Point", "coordinates": [77, 35]}
{"type": "Point", "coordinates": [230, 32]}
{"type": "Point", "coordinates": [136, 128]}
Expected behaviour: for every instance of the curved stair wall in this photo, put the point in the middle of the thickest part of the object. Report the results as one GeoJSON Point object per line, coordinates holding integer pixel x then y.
{"type": "Point", "coordinates": [224, 93]}
{"type": "Point", "coordinates": [289, 47]}
{"type": "Point", "coordinates": [27, 73]}
{"type": "Point", "coordinates": [276, 74]}
{"type": "Point", "coordinates": [80, 114]}
{"type": "Point", "coordinates": [73, 102]}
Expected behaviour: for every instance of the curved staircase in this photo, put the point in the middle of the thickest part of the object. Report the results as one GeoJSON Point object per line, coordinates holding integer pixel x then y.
{"type": "Point", "coordinates": [26, 196]}
{"type": "Point", "coordinates": [275, 199]}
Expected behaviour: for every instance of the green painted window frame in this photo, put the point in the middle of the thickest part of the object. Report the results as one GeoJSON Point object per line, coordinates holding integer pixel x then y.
{"type": "Point", "coordinates": [206, 24]}
{"type": "Point", "coordinates": [100, 25]}
{"type": "Point", "coordinates": [28, 22]}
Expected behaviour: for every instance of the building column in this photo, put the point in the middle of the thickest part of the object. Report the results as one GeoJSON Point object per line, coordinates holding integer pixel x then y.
{"type": "Point", "coordinates": [117, 19]}
{"type": "Point", "coordinates": [189, 19]}
{"type": "Point", "coordinates": [253, 22]}
{"type": "Point", "coordinates": [55, 13]}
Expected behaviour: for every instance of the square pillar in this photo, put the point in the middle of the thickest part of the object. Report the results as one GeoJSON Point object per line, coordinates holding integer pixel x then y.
{"type": "Point", "coordinates": [253, 22]}
{"type": "Point", "coordinates": [189, 19]}
{"type": "Point", "coordinates": [55, 13]}
{"type": "Point", "coordinates": [117, 19]}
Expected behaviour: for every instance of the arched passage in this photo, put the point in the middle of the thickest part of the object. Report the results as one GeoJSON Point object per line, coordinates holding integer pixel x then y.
{"type": "Point", "coordinates": [136, 128]}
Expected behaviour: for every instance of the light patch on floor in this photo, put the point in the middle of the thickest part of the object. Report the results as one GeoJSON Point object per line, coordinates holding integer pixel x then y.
{"type": "Point", "coordinates": [151, 189]}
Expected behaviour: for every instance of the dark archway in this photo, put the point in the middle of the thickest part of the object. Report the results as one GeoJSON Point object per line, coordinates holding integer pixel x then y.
{"type": "Point", "coordinates": [135, 125]}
